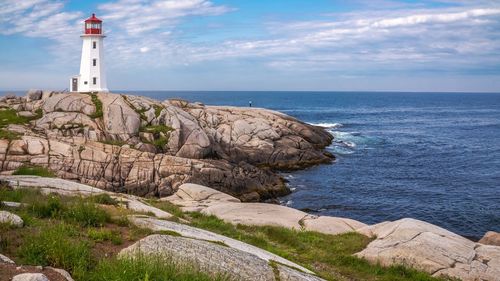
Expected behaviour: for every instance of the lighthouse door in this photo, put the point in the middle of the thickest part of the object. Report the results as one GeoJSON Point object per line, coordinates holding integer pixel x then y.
{"type": "Point", "coordinates": [74, 85]}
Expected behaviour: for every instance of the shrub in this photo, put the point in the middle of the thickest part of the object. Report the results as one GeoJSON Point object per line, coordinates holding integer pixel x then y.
{"type": "Point", "coordinates": [34, 171]}
{"type": "Point", "coordinates": [57, 246]}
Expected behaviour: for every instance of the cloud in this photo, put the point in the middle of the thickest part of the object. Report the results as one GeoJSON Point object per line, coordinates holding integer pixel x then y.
{"type": "Point", "coordinates": [139, 16]}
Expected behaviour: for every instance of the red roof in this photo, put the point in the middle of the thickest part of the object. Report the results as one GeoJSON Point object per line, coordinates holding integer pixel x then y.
{"type": "Point", "coordinates": [93, 19]}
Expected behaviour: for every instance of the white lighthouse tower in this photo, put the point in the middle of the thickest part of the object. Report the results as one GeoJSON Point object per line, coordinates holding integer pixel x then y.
{"type": "Point", "coordinates": [92, 77]}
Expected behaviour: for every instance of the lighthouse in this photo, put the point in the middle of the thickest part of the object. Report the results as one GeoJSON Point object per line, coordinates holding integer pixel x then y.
{"type": "Point", "coordinates": [92, 77]}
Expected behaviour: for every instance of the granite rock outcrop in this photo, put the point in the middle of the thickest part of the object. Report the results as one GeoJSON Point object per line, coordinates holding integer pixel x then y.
{"type": "Point", "coordinates": [133, 144]}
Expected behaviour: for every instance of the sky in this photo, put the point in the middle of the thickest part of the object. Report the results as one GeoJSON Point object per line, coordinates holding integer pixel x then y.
{"type": "Point", "coordinates": [263, 45]}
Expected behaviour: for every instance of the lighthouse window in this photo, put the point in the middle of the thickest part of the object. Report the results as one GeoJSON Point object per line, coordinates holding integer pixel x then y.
{"type": "Point", "coordinates": [94, 62]}
{"type": "Point", "coordinates": [94, 45]}
{"type": "Point", "coordinates": [94, 80]}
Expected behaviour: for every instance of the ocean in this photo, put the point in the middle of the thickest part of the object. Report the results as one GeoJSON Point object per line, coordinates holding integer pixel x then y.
{"type": "Point", "coordinates": [429, 156]}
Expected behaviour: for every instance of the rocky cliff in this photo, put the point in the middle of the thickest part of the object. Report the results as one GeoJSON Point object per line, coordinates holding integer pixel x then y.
{"type": "Point", "coordinates": [138, 145]}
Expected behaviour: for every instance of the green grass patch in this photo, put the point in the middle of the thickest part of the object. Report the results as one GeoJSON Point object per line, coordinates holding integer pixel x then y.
{"type": "Point", "coordinates": [143, 268]}
{"type": "Point", "coordinates": [58, 246]}
{"type": "Point", "coordinates": [330, 256]}
{"type": "Point", "coordinates": [34, 171]}
{"type": "Point", "coordinates": [104, 199]}
{"type": "Point", "coordinates": [158, 109]}
{"type": "Point", "coordinates": [103, 234]}
{"type": "Point", "coordinates": [9, 116]}
{"type": "Point", "coordinates": [167, 207]}
{"type": "Point", "coordinates": [160, 133]}
{"type": "Point", "coordinates": [72, 210]}
{"type": "Point", "coordinates": [156, 129]}
{"type": "Point", "coordinates": [98, 107]}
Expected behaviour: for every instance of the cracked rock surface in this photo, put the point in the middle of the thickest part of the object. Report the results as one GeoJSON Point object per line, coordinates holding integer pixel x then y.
{"type": "Point", "coordinates": [133, 144]}
{"type": "Point", "coordinates": [211, 257]}
{"type": "Point", "coordinates": [427, 247]}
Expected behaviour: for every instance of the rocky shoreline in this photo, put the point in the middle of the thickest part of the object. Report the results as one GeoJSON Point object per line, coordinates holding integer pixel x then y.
{"type": "Point", "coordinates": [137, 145]}
{"type": "Point", "coordinates": [206, 160]}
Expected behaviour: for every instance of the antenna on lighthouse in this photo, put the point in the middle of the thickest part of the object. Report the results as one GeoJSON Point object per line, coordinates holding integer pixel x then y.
{"type": "Point", "coordinates": [92, 77]}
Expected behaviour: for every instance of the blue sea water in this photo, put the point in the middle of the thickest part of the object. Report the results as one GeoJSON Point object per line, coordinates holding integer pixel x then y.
{"type": "Point", "coordinates": [429, 156]}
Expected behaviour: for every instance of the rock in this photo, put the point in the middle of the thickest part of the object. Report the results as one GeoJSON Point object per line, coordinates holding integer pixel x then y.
{"type": "Point", "coordinates": [194, 197]}
{"type": "Point", "coordinates": [10, 218]}
{"type": "Point", "coordinates": [209, 257]}
{"type": "Point", "coordinates": [76, 103]}
{"type": "Point", "coordinates": [138, 206]}
{"type": "Point", "coordinates": [289, 274]}
{"type": "Point", "coordinates": [62, 272]}
{"type": "Point", "coordinates": [257, 214]}
{"type": "Point", "coordinates": [200, 234]}
{"type": "Point", "coordinates": [50, 185]}
{"type": "Point", "coordinates": [331, 225]}
{"type": "Point", "coordinates": [120, 121]}
{"type": "Point", "coordinates": [491, 238]}
{"type": "Point", "coordinates": [33, 95]}
{"type": "Point", "coordinates": [11, 204]}
{"type": "Point", "coordinates": [431, 249]}
{"type": "Point", "coordinates": [26, 114]}
{"type": "Point", "coordinates": [30, 277]}
{"type": "Point", "coordinates": [6, 259]}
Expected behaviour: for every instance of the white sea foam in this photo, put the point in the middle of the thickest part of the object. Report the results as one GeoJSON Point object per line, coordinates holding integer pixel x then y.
{"type": "Point", "coordinates": [327, 125]}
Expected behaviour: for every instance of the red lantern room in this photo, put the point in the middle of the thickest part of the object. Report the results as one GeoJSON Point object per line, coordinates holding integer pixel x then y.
{"type": "Point", "coordinates": [93, 25]}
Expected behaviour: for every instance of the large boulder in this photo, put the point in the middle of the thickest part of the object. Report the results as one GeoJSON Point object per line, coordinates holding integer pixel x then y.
{"type": "Point", "coordinates": [431, 249]}
{"type": "Point", "coordinates": [200, 234]}
{"type": "Point", "coordinates": [194, 197]}
{"type": "Point", "coordinates": [209, 257]}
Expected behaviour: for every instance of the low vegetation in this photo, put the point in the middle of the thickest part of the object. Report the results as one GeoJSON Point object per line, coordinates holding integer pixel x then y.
{"type": "Point", "coordinates": [330, 256]}
{"type": "Point", "coordinates": [160, 133]}
{"type": "Point", "coordinates": [80, 236]}
{"type": "Point", "coordinates": [7, 117]}
{"type": "Point", "coordinates": [83, 236]}
{"type": "Point", "coordinates": [98, 106]}
{"type": "Point", "coordinates": [114, 142]}
{"type": "Point", "coordinates": [32, 170]}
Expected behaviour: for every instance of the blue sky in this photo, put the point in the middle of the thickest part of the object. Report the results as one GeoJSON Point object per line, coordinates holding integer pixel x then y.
{"type": "Point", "coordinates": [323, 45]}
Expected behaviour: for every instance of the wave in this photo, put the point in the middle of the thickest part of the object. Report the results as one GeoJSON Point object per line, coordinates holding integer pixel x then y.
{"type": "Point", "coordinates": [327, 125]}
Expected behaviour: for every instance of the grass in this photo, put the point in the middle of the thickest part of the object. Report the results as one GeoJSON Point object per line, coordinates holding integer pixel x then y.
{"type": "Point", "coordinates": [158, 110]}
{"type": "Point", "coordinates": [160, 134]}
{"type": "Point", "coordinates": [98, 107]}
{"type": "Point", "coordinates": [59, 246]}
{"type": "Point", "coordinates": [103, 234]}
{"type": "Point", "coordinates": [34, 171]}
{"type": "Point", "coordinates": [104, 199]}
{"type": "Point", "coordinates": [7, 117]}
{"type": "Point", "coordinates": [63, 234]}
{"type": "Point", "coordinates": [144, 268]}
{"type": "Point", "coordinates": [114, 142]}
